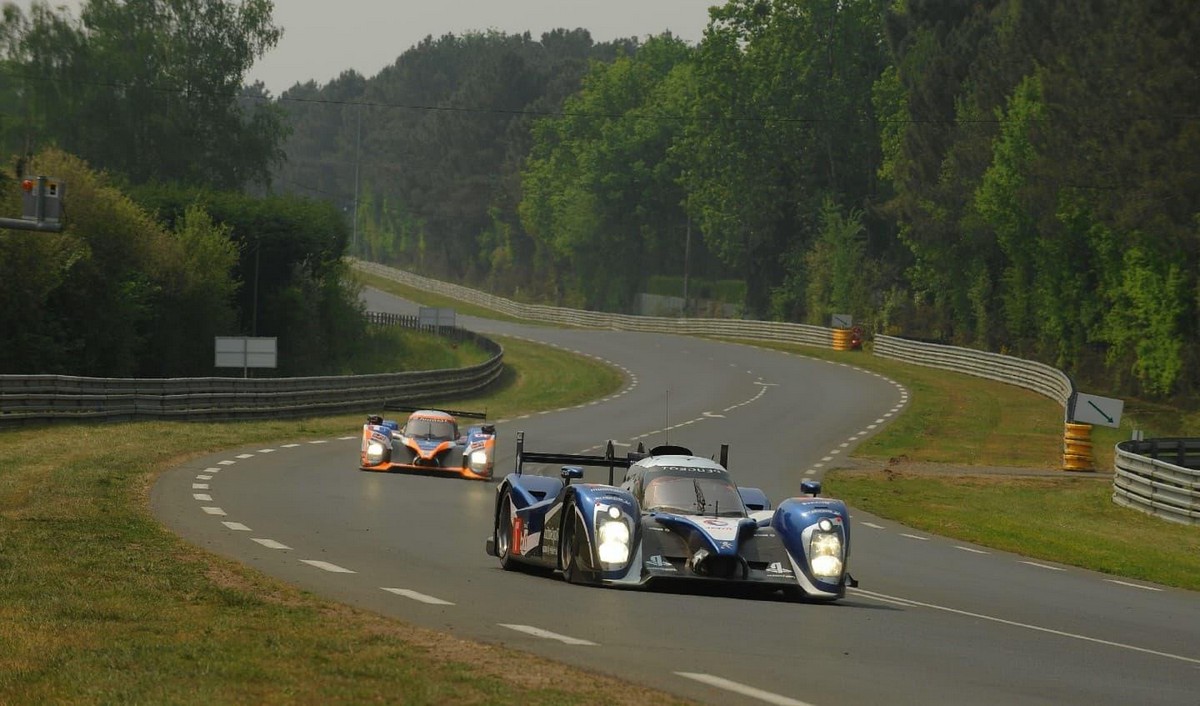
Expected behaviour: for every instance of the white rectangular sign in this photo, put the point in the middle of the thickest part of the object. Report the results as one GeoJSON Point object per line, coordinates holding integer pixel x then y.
{"type": "Point", "coordinates": [1091, 409]}
{"type": "Point", "coordinates": [245, 352]}
{"type": "Point", "coordinates": [841, 321]}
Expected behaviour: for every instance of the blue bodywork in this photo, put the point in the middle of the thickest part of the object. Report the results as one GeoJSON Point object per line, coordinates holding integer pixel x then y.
{"type": "Point", "coordinates": [600, 534]}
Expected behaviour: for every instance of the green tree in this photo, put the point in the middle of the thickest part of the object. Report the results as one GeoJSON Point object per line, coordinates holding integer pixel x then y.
{"type": "Point", "coordinates": [149, 88]}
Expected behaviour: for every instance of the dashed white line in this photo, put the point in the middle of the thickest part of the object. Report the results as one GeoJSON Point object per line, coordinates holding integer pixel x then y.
{"type": "Point", "coordinates": [244, 456]}
{"type": "Point", "coordinates": [1043, 566]}
{"type": "Point", "coordinates": [226, 462]}
{"type": "Point", "coordinates": [764, 696]}
{"type": "Point", "coordinates": [319, 441]}
{"type": "Point", "coordinates": [236, 526]}
{"type": "Point", "coordinates": [271, 451]}
{"type": "Point", "coordinates": [202, 496]}
{"type": "Point", "coordinates": [431, 600]}
{"type": "Point", "coordinates": [970, 549]}
{"type": "Point", "coordinates": [289, 446]}
{"type": "Point", "coordinates": [213, 510]}
{"type": "Point", "coordinates": [873, 525]}
{"type": "Point", "coordinates": [199, 486]}
{"type": "Point", "coordinates": [1133, 585]}
{"type": "Point", "coordinates": [327, 566]}
{"type": "Point", "coordinates": [270, 543]}
{"type": "Point", "coordinates": [913, 536]}
{"type": "Point", "coordinates": [546, 634]}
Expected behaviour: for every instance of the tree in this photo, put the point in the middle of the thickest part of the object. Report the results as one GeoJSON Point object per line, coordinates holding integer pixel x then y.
{"type": "Point", "coordinates": [150, 88]}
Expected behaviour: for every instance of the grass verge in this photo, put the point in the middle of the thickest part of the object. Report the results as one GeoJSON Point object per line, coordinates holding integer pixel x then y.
{"type": "Point", "coordinates": [100, 604]}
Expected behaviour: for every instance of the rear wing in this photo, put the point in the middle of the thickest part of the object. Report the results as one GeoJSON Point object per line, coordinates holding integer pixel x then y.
{"type": "Point", "coordinates": [397, 407]}
{"type": "Point", "coordinates": [609, 460]}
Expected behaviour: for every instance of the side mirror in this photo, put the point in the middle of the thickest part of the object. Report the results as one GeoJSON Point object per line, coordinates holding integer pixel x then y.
{"type": "Point", "coordinates": [571, 472]}
{"type": "Point", "coordinates": [810, 487]}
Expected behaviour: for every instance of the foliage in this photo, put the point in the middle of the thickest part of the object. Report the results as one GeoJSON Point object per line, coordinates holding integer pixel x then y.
{"type": "Point", "coordinates": [115, 292]}
{"type": "Point", "coordinates": [295, 285]}
{"type": "Point", "coordinates": [147, 89]}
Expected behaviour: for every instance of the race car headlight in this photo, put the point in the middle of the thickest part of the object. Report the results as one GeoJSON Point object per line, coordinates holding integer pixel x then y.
{"type": "Point", "coordinates": [479, 460]}
{"type": "Point", "coordinates": [613, 539]}
{"type": "Point", "coordinates": [374, 452]}
{"type": "Point", "coordinates": [825, 554]}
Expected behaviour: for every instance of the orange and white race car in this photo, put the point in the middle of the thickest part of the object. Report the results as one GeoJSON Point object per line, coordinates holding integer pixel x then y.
{"type": "Point", "coordinates": [429, 442]}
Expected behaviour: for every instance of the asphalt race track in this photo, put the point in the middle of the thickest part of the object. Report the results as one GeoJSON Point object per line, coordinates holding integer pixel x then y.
{"type": "Point", "coordinates": [935, 620]}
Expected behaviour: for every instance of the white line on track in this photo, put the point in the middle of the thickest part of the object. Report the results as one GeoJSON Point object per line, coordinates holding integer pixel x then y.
{"type": "Point", "coordinates": [202, 496]}
{"type": "Point", "coordinates": [913, 536]}
{"type": "Point", "coordinates": [327, 566]}
{"type": "Point", "coordinates": [213, 469]}
{"type": "Point", "coordinates": [969, 549]}
{"type": "Point", "coordinates": [244, 456]}
{"type": "Point", "coordinates": [873, 525]}
{"type": "Point", "coordinates": [199, 486]}
{"type": "Point", "coordinates": [431, 600]}
{"type": "Point", "coordinates": [742, 689]}
{"type": "Point", "coordinates": [236, 526]}
{"type": "Point", "coordinates": [289, 446]}
{"type": "Point", "coordinates": [319, 441]}
{"type": "Point", "coordinates": [538, 632]}
{"type": "Point", "coordinates": [270, 543]}
{"type": "Point", "coordinates": [1133, 585]}
{"type": "Point", "coordinates": [1027, 626]}
{"type": "Point", "coordinates": [226, 462]}
{"type": "Point", "coordinates": [1043, 566]}
{"type": "Point", "coordinates": [266, 451]}
{"type": "Point", "coordinates": [213, 510]}
{"type": "Point", "coordinates": [203, 476]}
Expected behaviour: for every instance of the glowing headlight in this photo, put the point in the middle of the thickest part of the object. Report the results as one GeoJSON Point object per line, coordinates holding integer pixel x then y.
{"type": "Point", "coordinates": [479, 460]}
{"type": "Point", "coordinates": [614, 542]}
{"type": "Point", "coordinates": [374, 452]}
{"type": "Point", "coordinates": [825, 554]}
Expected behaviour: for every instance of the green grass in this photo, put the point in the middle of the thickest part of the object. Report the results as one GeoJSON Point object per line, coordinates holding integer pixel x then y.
{"type": "Point", "coordinates": [1069, 520]}
{"type": "Point", "coordinates": [100, 604]}
{"type": "Point", "coordinates": [387, 348]}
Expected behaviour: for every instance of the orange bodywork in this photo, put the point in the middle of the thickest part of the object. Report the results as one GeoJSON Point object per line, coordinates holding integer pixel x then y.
{"type": "Point", "coordinates": [429, 455]}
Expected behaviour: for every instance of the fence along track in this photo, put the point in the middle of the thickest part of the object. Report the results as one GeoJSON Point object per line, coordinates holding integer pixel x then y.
{"type": "Point", "coordinates": [39, 399]}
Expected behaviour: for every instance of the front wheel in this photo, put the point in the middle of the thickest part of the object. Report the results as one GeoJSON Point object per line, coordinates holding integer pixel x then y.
{"type": "Point", "coordinates": [504, 535]}
{"type": "Point", "coordinates": [573, 541]}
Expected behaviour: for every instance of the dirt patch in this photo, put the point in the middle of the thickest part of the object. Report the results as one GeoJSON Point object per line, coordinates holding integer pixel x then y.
{"type": "Point", "coordinates": [902, 465]}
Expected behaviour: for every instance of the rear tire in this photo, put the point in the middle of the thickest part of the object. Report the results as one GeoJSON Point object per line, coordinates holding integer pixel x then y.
{"type": "Point", "coordinates": [504, 534]}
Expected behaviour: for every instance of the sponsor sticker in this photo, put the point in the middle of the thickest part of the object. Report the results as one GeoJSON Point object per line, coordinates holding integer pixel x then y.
{"type": "Point", "coordinates": [657, 562]}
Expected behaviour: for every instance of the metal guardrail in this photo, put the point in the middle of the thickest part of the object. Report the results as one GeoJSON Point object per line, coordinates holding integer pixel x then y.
{"type": "Point", "coordinates": [1029, 374]}
{"type": "Point", "coordinates": [728, 328]}
{"type": "Point", "coordinates": [1160, 477]}
{"type": "Point", "coordinates": [38, 399]}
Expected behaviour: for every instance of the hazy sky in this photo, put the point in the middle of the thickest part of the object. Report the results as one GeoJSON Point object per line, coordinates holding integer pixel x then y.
{"type": "Point", "coordinates": [323, 39]}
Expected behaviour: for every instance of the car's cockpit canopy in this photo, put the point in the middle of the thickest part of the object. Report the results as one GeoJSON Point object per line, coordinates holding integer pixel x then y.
{"type": "Point", "coordinates": [682, 488]}
{"type": "Point", "coordinates": [433, 428]}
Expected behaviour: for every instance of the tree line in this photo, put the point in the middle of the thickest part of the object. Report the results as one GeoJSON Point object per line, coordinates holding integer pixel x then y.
{"type": "Point", "coordinates": [171, 236]}
{"type": "Point", "coordinates": [1015, 176]}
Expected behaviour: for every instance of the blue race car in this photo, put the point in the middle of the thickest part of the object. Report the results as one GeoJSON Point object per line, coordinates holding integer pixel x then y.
{"type": "Point", "coordinates": [675, 517]}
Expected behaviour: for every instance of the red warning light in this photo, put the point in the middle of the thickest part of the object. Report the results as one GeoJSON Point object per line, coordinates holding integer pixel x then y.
{"type": "Point", "coordinates": [27, 184]}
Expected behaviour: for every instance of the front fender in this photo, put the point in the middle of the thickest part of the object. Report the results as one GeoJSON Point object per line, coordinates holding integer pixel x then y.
{"type": "Point", "coordinates": [796, 521]}
{"type": "Point", "coordinates": [594, 504]}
